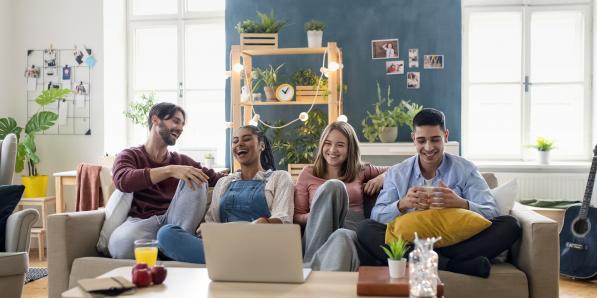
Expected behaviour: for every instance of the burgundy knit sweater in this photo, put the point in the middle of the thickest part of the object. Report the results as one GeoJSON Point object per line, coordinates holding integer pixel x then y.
{"type": "Point", "coordinates": [131, 174]}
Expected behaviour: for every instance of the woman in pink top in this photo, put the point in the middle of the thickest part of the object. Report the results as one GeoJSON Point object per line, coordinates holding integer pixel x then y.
{"type": "Point", "coordinates": [329, 195]}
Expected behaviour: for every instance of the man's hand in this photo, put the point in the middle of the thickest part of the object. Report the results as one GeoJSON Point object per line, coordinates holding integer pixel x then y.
{"type": "Point", "coordinates": [374, 185]}
{"type": "Point", "coordinates": [444, 197]}
{"type": "Point", "coordinates": [416, 197]}
{"type": "Point", "coordinates": [189, 174]}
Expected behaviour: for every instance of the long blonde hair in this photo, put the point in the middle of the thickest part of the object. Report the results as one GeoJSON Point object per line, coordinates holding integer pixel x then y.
{"type": "Point", "coordinates": [352, 165]}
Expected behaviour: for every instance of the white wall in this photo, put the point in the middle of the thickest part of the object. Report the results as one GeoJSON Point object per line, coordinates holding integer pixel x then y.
{"type": "Point", "coordinates": [6, 53]}
{"type": "Point", "coordinates": [63, 23]}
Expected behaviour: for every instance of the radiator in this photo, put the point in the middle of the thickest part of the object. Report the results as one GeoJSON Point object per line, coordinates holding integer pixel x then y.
{"type": "Point", "coordinates": [548, 186]}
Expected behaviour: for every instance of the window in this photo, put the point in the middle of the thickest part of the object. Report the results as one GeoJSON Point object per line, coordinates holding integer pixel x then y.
{"type": "Point", "coordinates": [526, 73]}
{"type": "Point", "coordinates": [177, 51]}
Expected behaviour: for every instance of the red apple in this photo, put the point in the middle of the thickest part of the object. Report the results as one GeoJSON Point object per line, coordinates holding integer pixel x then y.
{"type": "Point", "coordinates": [158, 274]}
{"type": "Point", "coordinates": [139, 266]}
{"type": "Point", "coordinates": [142, 277]}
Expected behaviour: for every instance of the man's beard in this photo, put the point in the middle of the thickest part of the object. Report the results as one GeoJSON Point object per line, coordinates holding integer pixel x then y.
{"type": "Point", "coordinates": [165, 133]}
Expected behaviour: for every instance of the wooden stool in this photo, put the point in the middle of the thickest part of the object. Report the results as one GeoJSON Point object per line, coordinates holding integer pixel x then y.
{"type": "Point", "coordinates": [40, 234]}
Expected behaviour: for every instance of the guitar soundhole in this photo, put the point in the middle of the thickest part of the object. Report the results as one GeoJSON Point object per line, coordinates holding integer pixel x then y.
{"type": "Point", "coordinates": [580, 226]}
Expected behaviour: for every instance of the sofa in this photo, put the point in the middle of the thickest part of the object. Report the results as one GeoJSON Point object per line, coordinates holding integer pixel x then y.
{"type": "Point", "coordinates": [532, 269]}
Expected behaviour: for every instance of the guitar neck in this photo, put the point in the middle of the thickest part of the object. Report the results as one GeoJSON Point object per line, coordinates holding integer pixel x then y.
{"type": "Point", "coordinates": [588, 190]}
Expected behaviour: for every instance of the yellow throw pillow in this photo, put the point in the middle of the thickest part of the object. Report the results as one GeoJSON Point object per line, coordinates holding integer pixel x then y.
{"type": "Point", "coordinates": [454, 225]}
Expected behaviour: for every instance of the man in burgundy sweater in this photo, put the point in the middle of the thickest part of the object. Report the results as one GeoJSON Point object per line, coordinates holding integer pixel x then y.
{"type": "Point", "coordinates": [167, 187]}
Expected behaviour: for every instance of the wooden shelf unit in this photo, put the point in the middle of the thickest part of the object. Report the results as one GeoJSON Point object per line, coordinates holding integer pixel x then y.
{"type": "Point", "coordinates": [242, 111]}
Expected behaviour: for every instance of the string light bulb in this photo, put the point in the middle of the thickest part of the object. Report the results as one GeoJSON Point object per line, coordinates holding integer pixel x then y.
{"type": "Point", "coordinates": [304, 116]}
{"type": "Point", "coordinates": [255, 120]}
{"type": "Point", "coordinates": [335, 66]}
{"type": "Point", "coordinates": [342, 118]}
{"type": "Point", "coordinates": [227, 74]}
{"type": "Point", "coordinates": [238, 67]}
{"type": "Point", "coordinates": [227, 124]}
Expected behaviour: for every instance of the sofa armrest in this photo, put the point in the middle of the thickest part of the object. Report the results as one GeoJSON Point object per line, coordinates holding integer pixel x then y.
{"type": "Point", "coordinates": [70, 236]}
{"type": "Point", "coordinates": [538, 253]}
{"type": "Point", "coordinates": [18, 230]}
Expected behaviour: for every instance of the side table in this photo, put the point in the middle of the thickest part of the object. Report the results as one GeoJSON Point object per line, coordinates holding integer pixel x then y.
{"type": "Point", "coordinates": [47, 206]}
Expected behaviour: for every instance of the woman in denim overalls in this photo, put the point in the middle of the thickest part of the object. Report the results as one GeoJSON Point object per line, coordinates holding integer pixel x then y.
{"type": "Point", "coordinates": [257, 193]}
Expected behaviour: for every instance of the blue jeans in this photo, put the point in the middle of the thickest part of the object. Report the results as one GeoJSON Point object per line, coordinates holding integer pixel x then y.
{"type": "Point", "coordinates": [180, 245]}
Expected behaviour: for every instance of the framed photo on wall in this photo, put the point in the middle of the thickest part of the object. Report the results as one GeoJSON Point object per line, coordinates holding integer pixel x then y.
{"type": "Point", "coordinates": [433, 62]}
{"type": "Point", "coordinates": [384, 48]}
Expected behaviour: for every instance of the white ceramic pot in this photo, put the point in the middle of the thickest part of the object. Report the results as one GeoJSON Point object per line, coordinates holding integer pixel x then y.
{"type": "Point", "coordinates": [397, 268]}
{"type": "Point", "coordinates": [544, 157]}
{"type": "Point", "coordinates": [388, 134]}
{"type": "Point", "coordinates": [209, 163]}
{"type": "Point", "coordinates": [314, 38]}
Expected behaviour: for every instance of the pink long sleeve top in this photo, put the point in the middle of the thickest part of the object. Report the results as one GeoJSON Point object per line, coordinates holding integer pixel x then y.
{"type": "Point", "coordinates": [307, 184]}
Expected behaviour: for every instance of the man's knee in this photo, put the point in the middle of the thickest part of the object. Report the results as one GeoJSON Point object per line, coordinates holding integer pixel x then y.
{"type": "Point", "coordinates": [509, 223]}
{"type": "Point", "coordinates": [365, 229]}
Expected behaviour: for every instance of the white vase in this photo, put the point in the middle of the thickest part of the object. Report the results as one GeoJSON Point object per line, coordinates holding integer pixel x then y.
{"type": "Point", "coordinates": [209, 163]}
{"type": "Point", "coordinates": [544, 157]}
{"type": "Point", "coordinates": [388, 134]}
{"type": "Point", "coordinates": [314, 38]}
{"type": "Point", "coordinates": [397, 268]}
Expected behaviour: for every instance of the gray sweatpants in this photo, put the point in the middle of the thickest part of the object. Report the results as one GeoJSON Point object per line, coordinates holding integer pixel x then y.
{"type": "Point", "coordinates": [328, 246]}
{"type": "Point", "coordinates": [186, 210]}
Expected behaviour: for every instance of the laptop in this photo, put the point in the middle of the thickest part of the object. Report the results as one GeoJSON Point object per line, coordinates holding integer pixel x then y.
{"type": "Point", "coordinates": [248, 252]}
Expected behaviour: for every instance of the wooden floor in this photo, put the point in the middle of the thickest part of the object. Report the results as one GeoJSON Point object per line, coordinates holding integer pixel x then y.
{"type": "Point", "coordinates": [568, 288]}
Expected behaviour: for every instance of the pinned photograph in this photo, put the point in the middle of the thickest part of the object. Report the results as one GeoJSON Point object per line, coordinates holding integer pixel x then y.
{"type": "Point", "coordinates": [82, 89]}
{"type": "Point", "coordinates": [66, 72]}
{"type": "Point", "coordinates": [53, 85]}
{"type": "Point", "coordinates": [413, 80]}
{"type": "Point", "coordinates": [384, 48]}
{"type": "Point", "coordinates": [49, 57]}
{"type": "Point", "coordinates": [434, 62]}
{"type": "Point", "coordinates": [413, 58]}
{"type": "Point", "coordinates": [394, 67]}
{"type": "Point", "coordinates": [32, 72]}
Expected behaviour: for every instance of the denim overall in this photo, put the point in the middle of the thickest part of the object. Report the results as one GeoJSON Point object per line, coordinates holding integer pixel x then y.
{"type": "Point", "coordinates": [244, 201]}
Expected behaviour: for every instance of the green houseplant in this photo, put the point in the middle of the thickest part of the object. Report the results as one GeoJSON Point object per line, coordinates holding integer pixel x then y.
{"type": "Point", "coordinates": [209, 159]}
{"type": "Point", "coordinates": [26, 147]}
{"type": "Point", "coordinates": [396, 261]}
{"type": "Point", "coordinates": [314, 29]}
{"type": "Point", "coordinates": [306, 82]}
{"type": "Point", "coordinates": [544, 147]}
{"type": "Point", "coordinates": [137, 111]}
{"type": "Point", "coordinates": [269, 78]}
{"type": "Point", "coordinates": [384, 122]}
{"type": "Point", "coordinates": [267, 24]}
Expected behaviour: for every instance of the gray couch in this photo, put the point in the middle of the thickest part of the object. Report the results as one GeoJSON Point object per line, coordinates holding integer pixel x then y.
{"type": "Point", "coordinates": [532, 272]}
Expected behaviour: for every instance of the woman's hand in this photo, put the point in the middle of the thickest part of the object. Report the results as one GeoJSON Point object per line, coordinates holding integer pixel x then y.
{"type": "Point", "coordinates": [261, 220]}
{"type": "Point", "coordinates": [374, 185]}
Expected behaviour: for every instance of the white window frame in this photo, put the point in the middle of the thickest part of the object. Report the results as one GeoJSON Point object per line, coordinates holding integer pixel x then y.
{"type": "Point", "coordinates": [179, 20]}
{"type": "Point", "coordinates": [526, 7]}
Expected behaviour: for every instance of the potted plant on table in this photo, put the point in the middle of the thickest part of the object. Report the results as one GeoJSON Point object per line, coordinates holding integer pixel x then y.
{"type": "Point", "coordinates": [308, 85]}
{"type": "Point", "coordinates": [35, 185]}
{"type": "Point", "coordinates": [314, 29]}
{"type": "Point", "coordinates": [383, 124]}
{"type": "Point", "coordinates": [262, 33]}
{"type": "Point", "coordinates": [544, 147]}
{"type": "Point", "coordinates": [269, 78]}
{"type": "Point", "coordinates": [396, 261]}
{"type": "Point", "coordinates": [209, 160]}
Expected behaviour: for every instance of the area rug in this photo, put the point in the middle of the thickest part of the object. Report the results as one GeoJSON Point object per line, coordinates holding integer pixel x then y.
{"type": "Point", "coordinates": [35, 273]}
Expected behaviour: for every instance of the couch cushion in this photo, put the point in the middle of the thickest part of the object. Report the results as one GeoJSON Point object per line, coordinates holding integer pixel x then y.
{"type": "Point", "coordinates": [505, 281]}
{"type": "Point", "coordinates": [505, 196]}
{"type": "Point", "coordinates": [117, 210]}
{"type": "Point", "coordinates": [13, 263]}
{"type": "Point", "coordinates": [89, 267]}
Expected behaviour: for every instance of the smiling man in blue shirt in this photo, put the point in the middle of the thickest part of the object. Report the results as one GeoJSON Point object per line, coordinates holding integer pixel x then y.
{"type": "Point", "coordinates": [458, 184]}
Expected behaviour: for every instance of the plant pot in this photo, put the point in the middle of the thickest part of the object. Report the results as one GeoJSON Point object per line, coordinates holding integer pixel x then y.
{"type": "Point", "coordinates": [269, 93]}
{"type": "Point", "coordinates": [544, 157]}
{"type": "Point", "coordinates": [388, 134]}
{"type": "Point", "coordinates": [258, 41]}
{"type": "Point", "coordinates": [310, 93]}
{"type": "Point", "coordinates": [314, 38]}
{"type": "Point", "coordinates": [397, 268]}
{"type": "Point", "coordinates": [35, 186]}
{"type": "Point", "coordinates": [210, 163]}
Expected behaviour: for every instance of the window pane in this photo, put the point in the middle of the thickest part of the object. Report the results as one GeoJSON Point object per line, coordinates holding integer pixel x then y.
{"type": "Point", "coordinates": [557, 46]}
{"type": "Point", "coordinates": [205, 55]}
{"type": "Point", "coordinates": [557, 113]}
{"type": "Point", "coordinates": [205, 5]}
{"type": "Point", "coordinates": [494, 52]}
{"type": "Point", "coordinates": [155, 58]}
{"type": "Point", "coordinates": [494, 120]}
{"type": "Point", "coordinates": [154, 7]}
{"type": "Point", "coordinates": [205, 127]}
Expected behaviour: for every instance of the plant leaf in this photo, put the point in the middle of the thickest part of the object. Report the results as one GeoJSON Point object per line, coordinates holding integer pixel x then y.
{"type": "Point", "coordinates": [20, 164]}
{"type": "Point", "coordinates": [9, 125]}
{"type": "Point", "coordinates": [51, 95]}
{"type": "Point", "coordinates": [41, 121]}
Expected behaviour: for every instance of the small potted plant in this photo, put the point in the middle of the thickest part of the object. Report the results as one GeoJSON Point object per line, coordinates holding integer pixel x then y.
{"type": "Point", "coordinates": [383, 124]}
{"type": "Point", "coordinates": [209, 160]}
{"type": "Point", "coordinates": [308, 85]}
{"type": "Point", "coordinates": [314, 29]}
{"type": "Point", "coordinates": [543, 146]}
{"type": "Point", "coordinates": [269, 78]}
{"type": "Point", "coordinates": [396, 261]}
{"type": "Point", "coordinates": [262, 33]}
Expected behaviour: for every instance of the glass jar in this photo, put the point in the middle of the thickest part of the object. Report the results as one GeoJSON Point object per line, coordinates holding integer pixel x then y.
{"type": "Point", "coordinates": [423, 269]}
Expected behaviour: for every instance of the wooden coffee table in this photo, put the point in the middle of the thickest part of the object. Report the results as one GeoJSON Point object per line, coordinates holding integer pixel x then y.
{"type": "Point", "coordinates": [194, 282]}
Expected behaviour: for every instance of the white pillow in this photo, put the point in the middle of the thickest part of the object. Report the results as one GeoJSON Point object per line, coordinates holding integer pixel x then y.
{"type": "Point", "coordinates": [117, 212]}
{"type": "Point", "coordinates": [505, 195]}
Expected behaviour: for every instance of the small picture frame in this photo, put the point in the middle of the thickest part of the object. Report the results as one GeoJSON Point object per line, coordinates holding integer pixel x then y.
{"type": "Point", "coordinates": [413, 80]}
{"type": "Point", "coordinates": [433, 62]}
{"type": "Point", "coordinates": [385, 48]}
{"type": "Point", "coordinates": [413, 58]}
{"type": "Point", "coordinates": [33, 72]}
{"type": "Point", "coordinates": [50, 58]}
{"type": "Point", "coordinates": [82, 88]}
{"type": "Point", "coordinates": [66, 73]}
{"type": "Point", "coordinates": [394, 67]}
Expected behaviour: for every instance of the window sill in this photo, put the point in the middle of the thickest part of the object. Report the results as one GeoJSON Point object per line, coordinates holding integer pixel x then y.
{"type": "Point", "coordinates": [533, 166]}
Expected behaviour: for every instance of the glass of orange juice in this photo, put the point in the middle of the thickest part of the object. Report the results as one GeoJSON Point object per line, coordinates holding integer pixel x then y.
{"type": "Point", "coordinates": [146, 251]}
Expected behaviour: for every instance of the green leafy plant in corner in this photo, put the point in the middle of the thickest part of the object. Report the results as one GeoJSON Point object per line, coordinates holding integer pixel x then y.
{"type": "Point", "coordinates": [266, 76]}
{"type": "Point", "coordinates": [40, 121]}
{"type": "Point", "coordinates": [397, 249]}
{"type": "Point", "coordinates": [543, 144]}
{"type": "Point", "coordinates": [387, 116]}
{"type": "Point", "coordinates": [209, 155]}
{"type": "Point", "coordinates": [137, 111]}
{"type": "Point", "coordinates": [314, 25]}
{"type": "Point", "coordinates": [267, 24]}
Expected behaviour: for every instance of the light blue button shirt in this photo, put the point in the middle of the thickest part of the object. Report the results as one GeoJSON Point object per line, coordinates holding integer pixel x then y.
{"type": "Point", "coordinates": [458, 173]}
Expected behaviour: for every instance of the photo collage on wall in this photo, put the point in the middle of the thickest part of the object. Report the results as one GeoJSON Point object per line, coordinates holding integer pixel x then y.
{"type": "Point", "coordinates": [390, 49]}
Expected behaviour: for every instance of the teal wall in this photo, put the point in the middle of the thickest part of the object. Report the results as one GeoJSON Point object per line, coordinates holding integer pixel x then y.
{"type": "Point", "coordinates": [432, 26]}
